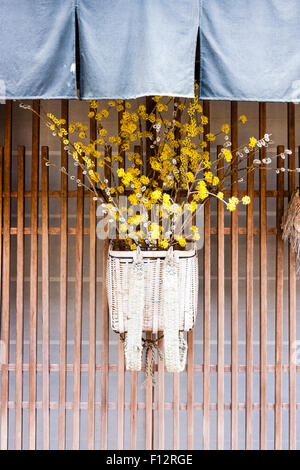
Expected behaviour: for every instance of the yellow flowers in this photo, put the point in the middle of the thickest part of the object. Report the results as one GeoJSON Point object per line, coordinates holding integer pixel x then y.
{"type": "Point", "coordinates": [128, 127]}
{"type": "Point", "coordinates": [94, 176]}
{"type": "Point", "coordinates": [123, 228]}
{"type": "Point", "coordinates": [161, 107]}
{"type": "Point", "coordinates": [133, 199]}
{"type": "Point", "coordinates": [158, 160]}
{"type": "Point", "coordinates": [232, 203]}
{"type": "Point", "coordinates": [227, 155]}
{"type": "Point", "coordinates": [155, 164]}
{"type": "Point", "coordinates": [155, 231]}
{"type": "Point", "coordinates": [144, 179]}
{"type": "Point", "coordinates": [181, 241]}
{"type": "Point", "coordinates": [243, 118]}
{"type": "Point", "coordinates": [225, 128]}
{"type": "Point", "coordinates": [121, 172]}
{"type": "Point", "coordinates": [202, 189]}
{"type": "Point", "coordinates": [104, 113]}
{"type": "Point", "coordinates": [93, 104]}
{"type": "Point", "coordinates": [166, 200]}
{"type": "Point", "coordinates": [208, 176]}
{"type": "Point", "coordinates": [190, 176]}
{"type": "Point", "coordinates": [246, 200]}
{"type": "Point", "coordinates": [210, 137]}
{"type": "Point", "coordinates": [156, 195]}
{"type": "Point", "coordinates": [163, 243]}
{"type": "Point", "coordinates": [191, 207]}
{"type": "Point", "coordinates": [196, 235]}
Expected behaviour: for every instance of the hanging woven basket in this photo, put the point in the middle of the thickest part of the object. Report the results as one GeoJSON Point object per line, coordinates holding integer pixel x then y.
{"type": "Point", "coordinates": [151, 292]}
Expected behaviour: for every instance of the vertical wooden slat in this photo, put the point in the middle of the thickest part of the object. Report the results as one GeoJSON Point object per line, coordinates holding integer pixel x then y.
{"type": "Point", "coordinates": [33, 277]}
{"type": "Point", "coordinates": [149, 415]}
{"type": "Point", "coordinates": [161, 392]}
{"type": "Point", "coordinates": [105, 338]}
{"type": "Point", "coordinates": [190, 354]}
{"type": "Point", "coordinates": [149, 431]}
{"type": "Point", "coordinates": [176, 376]}
{"type": "Point", "coordinates": [149, 406]}
{"type": "Point", "coordinates": [92, 311]}
{"type": "Point", "coordinates": [206, 326]}
{"type": "Point", "coordinates": [105, 352]}
{"type": "Point", "coordinates": [133, 410]}
{"type": "Point", "coordinates": [279, 308]}
{"type": "Point", "coordinates": [249, 306]}
{"type": "Point", "coordinates": [298, 165]}
{"type": "Point", "coordinates": [121, 361]}
{"type": "Point", "coordinates": [1, 216]}
{"type": "Point", "coordinates": [292, 289]}
{"type": "Point", "coordinates": [263, 283]}
{"type": "Point", "coordinates": [221, 305]}
{"type": "Point", "coordinates": [150, 109]}
{"type": "Point", "coordinates": [190, 390]}
{"type": "Point", "coordinates": [176, 398]}
{"type": "Point", "coordinates": [78, 315]}
{"type": "Point", "coordinates": [6, 276]}
{"type": "Point", "coordinates": [234, 285]}
{"type": "Point", "coordinates": [121, 390]}
{"type": "Point", "coordinates": [19, 301]}
{"type": "Point", "coordinates": [45, 301]}
{"type": "Point", "coordinates": [63, 288]}
{"type": "Point", "coordinates": [134, 381]}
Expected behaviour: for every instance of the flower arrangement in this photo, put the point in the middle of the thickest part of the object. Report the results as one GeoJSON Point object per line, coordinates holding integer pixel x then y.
{"type": "Point", "coordinates": [160, 162]}
{"type": "Point", "coordinates": [177, 179]}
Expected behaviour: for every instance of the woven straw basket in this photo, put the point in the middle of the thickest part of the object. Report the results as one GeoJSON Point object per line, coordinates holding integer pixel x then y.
{"type": "Point", "coordinates": [153, 291]}
{"type": "Point", "coordinates": [118, 273]}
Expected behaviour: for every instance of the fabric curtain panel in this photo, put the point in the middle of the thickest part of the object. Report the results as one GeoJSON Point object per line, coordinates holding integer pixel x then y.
{"type": "Point", "coordinates": [132, 48]}
{"type": "Point", "coordinates": [128, 48]}
{"type": "Point", "coordinates": [37, 49]}
{"type": "Point", "coordinates": [250, 50]}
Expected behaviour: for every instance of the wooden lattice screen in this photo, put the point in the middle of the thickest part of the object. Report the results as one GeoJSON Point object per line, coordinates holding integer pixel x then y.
{"type": "Point", "coordinates": [83, 383]}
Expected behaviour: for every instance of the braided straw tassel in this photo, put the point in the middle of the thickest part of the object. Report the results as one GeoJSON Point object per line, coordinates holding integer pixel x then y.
{"type": "Point", "coordinates": [291, 224]}
{"type": "Point", "coordinates": [133, 337]}
{"type": "Point", "coordinates": [175, 345]}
